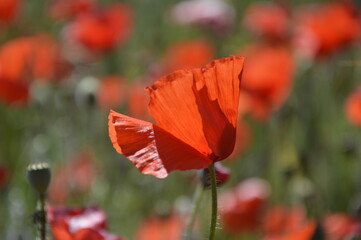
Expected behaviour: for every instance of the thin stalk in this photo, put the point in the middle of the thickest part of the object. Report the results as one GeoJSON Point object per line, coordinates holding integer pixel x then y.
{"type": "Point", "coordinates": [212, 174]}
{"type": "Point", "coordinates": [42, 217]}
{"type": "Point", "coordinates": [197, 202]}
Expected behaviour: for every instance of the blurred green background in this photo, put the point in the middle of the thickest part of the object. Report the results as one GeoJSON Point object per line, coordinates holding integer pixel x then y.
{"type": "Point", "coordinates": [307, 149]}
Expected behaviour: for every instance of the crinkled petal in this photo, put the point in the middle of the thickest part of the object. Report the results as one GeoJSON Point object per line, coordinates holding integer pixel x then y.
{"type": "Point", "coordinates": [151, 149]}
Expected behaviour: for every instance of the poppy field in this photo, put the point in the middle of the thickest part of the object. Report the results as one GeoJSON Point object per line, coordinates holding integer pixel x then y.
{"type": "Point", "coordinates": [180, 120]}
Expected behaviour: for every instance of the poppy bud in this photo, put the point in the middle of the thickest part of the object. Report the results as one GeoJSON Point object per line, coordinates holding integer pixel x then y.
{"type": "Point", "coordinates": [222, 175]}
{"type": "Point", "coordinates": [39, 176]}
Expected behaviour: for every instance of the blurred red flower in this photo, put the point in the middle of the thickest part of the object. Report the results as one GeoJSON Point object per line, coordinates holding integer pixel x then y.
{"type": "Point", "coordinates": [111, 92]}
{"type": "Point", "coordinates": [305, 232]}
{"type": "Point", "coordinates": [188, 55]}
{"type": "Point", "coordinates": [77, 175]}
{"type": "Point", "coordinates": [186, 105]}
{"type": "Point", "coordinates": [241, 208]}
{"type": "Point", "coordinates": [36, 57]}
{"type": "Point", "coordinates": [281, 223]}
{"type": "Point", "coordinates": [265, 90]}
{"type": "Point", "coordinates": [14, 93]}
{"type": "Point", "coordinates": [103, 29]}
{"type": "Point", "coordinates": [79, 224]}
{"type": "Point", "coordinates": [66, 9]}
{"type": "Point", "coordinates": [353, 107]}
{"type": "Point", "coordinates": [222, 175]}
{"type": "Point", "coordinates": [268, 20]}
{"type": "Point", "coordinates": [339, 226]}
{"type": "Point", "coordinates": [243, 138]}
{"type": "Point", "coordinates": [215, 15]}
{"type": "Point", "coordinates": [4, 175]}
{"type": "Point", "coordinates": [8, 10]}
{"type": "Point", "coordinates": [314, 36]}
{"type": "Point", "coordinates": [161, 228]}
{"type": "Point", "coordinates": [138, 101]}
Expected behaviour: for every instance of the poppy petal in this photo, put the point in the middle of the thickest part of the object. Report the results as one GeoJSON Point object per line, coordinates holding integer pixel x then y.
{"type": "Point", "coordinates": [200, 107]}
{"type": "Point", "coordinates": [87, 234]}
{"type": "Point", "coordinates": [60, 232]}
{"type": "Point", "coordinates": [13, 92]}
{"type": "Point", "coordinates": [152, 150]}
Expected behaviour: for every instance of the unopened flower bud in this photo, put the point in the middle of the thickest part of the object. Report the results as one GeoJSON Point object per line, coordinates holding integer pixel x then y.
{"type": "Point", "coordinates": [222, 175]}
{"type": "Point", "coordinates": [39, 176]}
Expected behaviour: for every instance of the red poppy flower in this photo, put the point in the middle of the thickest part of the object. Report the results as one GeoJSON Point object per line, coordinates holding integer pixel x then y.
{"type": "Point", "coordinates": [65, 9]}
{"type": "Point", "coordinates": [287, 223]}
{"type": "Point", "coordinates": [4, 175]}
{"type": "Point", "coordinates": [27, 58]}
{"type": "Point", "coordinates": [305, 232]}
{"type": "Point", "coordinates": [161, 228]}
{"type": "Point", "coordinates": [338, 226]}
{"type": "Point", "coordinates": [265, 91]}
{"type": "Point", "coordinates": [8, 10]}
{"type": "Point", "coordinates": [268, 20]}
{"type": "Point", "coordinates": [243, 137]}
{"type": "Point", "coordinates": [222, 175]}
{"type": "Point", "coordinates": [78, 176]}
{"type": "Point", "coordinates": [79, 224]}
{"type": "Point", "coordinates": [241, 207]}
{"type": "Point", "coordinates": [196, 112]}
{"type": "Point", "coordinates": [138, 101]}
{"type": "Point", "coordinates": [104, 29]}
{"type": "Point", "coordinates": [314, 37]}
{"type": "Point", "coordinates": [353, 107]}
{"type": "Point", "coordinates": [188, 55]}
{"type": "Point", "coordinates": [111, 92]}
{"type": "Point", "coordinates": [13, 92]}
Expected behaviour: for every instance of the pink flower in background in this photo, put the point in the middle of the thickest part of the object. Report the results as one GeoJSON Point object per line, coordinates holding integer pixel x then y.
{"type": "Point", "coordinates": [268, 20]}
{"type": "Point", "coordinates": [215, 15]}
{"type": "Point", "coordinates": [324, 29]}
{"type": "Point", "coordinates": [241, 207]}
{"type": "Point", "coordinates": [103, 29]}
{"type": "Point", "coordinates": [353, 107]}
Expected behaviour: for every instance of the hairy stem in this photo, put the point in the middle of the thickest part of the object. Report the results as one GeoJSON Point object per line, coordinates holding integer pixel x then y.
{"type": "Point", "coordinates": [212, 174]}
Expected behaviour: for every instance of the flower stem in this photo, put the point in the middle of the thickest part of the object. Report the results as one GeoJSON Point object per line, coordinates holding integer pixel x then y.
{"type": "Point", "coordinates": [212, 174]}
{"type": "Point", "coordinates": [42, 217]}
{"type": "Point", "coordinates": [197, 202]}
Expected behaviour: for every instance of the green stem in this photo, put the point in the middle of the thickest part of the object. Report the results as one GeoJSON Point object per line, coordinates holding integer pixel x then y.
{"type": "Point", "coordinates": [212, 174]}
{"type": "Point", "coordinates": [197, 202]}
{"type": "Point", "coordinates": [42, 217]}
